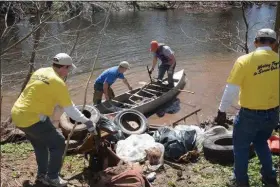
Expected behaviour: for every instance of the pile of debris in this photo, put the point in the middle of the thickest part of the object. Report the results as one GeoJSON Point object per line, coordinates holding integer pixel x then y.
{"type": "Point", "coordinates": [130, 149]}
{"type": "Point", "coordinates": [133, 142]}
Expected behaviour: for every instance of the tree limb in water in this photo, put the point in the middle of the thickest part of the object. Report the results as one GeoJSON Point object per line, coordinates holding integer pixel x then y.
{"type": "Point", "coordinates": [30, 33]}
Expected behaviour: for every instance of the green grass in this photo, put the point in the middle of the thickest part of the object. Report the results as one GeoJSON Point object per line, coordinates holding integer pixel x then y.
{"type": "Point", "coordinates": [220, 174]}
{"type": "Point", "coordinates": [73, 164]}
{"type": "Point", "coordinates": [254, 170]}
{"type": "Point", "coordinates": [202, 173]}
{"type": "Point", "coordinates": [13, 151]}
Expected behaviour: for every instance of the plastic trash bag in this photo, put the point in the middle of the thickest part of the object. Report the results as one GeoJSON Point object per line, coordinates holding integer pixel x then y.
{"type": "Point", "coordinates": [110, 125]}
{"type": "Point", "coordinates": [174, 107]}
{"type": "Point", "coordinates": [176, 142]}
{"type": "Point", "coordinates": [199, 132]}
{"type": "Point", "coordinates": [134, 148]}
{"type": "Point", "coordinates": [202, 134]}
{"type": "Point", "coordinates": [170, 108]}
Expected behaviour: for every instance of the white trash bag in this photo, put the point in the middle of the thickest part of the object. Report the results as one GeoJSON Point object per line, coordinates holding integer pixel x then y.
{"type": "Point", "coordinates": [133, 148]}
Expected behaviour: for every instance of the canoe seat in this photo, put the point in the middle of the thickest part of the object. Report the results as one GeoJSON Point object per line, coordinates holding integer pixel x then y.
{"type": "Point", "coordinates": [148, 92]}
{"type": "Point", "coordinates": [133, 101]}
{"type": "Point", "coordinates": [125, 104]}
{"type": "Point", "coordinates": [155, 91]}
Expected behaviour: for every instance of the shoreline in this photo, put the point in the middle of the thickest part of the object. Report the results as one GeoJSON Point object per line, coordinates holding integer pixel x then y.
{"type": "Point", "coordinates": [206, 78]}
{"type": "Point", "coordinates": [188, 6]}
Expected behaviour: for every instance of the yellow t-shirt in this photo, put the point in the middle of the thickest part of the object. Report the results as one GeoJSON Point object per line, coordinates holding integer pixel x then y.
{"type": "Point", "coordinates": [43, 92]}
{"type": "Point", "coordinates": [257, 74]}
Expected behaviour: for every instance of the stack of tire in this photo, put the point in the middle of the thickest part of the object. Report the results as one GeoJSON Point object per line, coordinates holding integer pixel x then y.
{"type": "Point", "coordinates": [80, 131]}
{"type": "Point", "coordinates": [219, 147]}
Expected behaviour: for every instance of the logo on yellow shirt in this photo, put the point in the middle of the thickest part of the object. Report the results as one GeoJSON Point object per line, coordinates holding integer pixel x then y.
{"type": "Point", "coordinates": [267, 67]}
{"type": "Point", "coordinates": [42, 78]}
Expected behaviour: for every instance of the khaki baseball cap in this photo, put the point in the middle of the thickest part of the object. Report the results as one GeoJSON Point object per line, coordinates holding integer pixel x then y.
{"type": "Point", "coordinates": [124, 64]}
{"type": "Point", "coordinates": [63, 59]}
{"type": "Point", "coordinates": [266, 33]}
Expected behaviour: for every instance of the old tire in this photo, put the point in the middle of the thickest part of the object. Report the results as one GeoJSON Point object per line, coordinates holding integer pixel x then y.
{"type": "Point", "coordinates": [66, 124]}
{"type": "Point", "coordinates": [219, 149]}
{"type": "Point", "coordinates": [125, 118]}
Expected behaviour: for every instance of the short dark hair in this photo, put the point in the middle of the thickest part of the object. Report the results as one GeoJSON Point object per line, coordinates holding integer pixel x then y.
{"type": "Point", "coordinates": [57, 65]}
{"type": "Point", "coordinates": [265, 40]}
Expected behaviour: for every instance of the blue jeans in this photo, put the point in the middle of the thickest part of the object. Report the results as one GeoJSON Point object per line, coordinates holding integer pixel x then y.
{"type": "Point", "coordinates": [253, 127]}
{"type": "Point", "coordinates": [48, 145]}
{"type": "Point", "coordinates": [161, 71]}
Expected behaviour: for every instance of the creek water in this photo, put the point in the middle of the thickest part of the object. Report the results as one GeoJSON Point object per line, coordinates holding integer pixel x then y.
{"type": "Point", "coordinates": [200, 41]}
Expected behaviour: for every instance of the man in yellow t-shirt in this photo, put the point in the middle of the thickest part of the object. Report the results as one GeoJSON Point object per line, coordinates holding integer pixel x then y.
{"type": "Point", "coordinates": [30, 113]}
{"type": "Point", "coordinates": [255, 77]}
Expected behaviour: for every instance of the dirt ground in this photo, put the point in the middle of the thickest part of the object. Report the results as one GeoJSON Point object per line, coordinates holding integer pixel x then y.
{"type": "Point", "coordinates": [18, 168]}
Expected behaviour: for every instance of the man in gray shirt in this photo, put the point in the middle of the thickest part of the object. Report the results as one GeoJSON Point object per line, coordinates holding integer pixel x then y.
{"type": "Point", "coordinates": [168, 62]}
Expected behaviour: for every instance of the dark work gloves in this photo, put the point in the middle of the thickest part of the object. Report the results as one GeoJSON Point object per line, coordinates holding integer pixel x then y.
{"type": "Point", "coordinates": [221, 118]}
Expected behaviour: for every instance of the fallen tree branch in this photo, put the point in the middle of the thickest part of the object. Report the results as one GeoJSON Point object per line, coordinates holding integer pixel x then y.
{"type": "Point", "coordinates": [76, 41]}
{"type": "Point", "coordinates": [174, 165]}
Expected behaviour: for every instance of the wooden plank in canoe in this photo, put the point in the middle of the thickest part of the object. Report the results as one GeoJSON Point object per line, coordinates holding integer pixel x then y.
{"type": "Point", "coordinates": [156, 91]}
{"type": "Point", "coordinates": [163, 86]}
{"type": "Point", "coordinates": [148, 92]}
{"type": "Point", "coordinates": [119, 102]}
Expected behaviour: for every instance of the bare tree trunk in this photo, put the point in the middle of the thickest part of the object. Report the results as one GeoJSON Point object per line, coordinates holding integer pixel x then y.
{"type": "Point", "coordinates": [32, 58]}
{"type": "Point", "coordinates": [35, 46]}
{"type": "Point", "coordinates": [70, 5]}
{"type": "Point", "coordinates": [247, 28]}
{"type": "Point", "coordinates": [277, 21]}
{"type": "Point", "coordinates": [1, 80]}
{"type": "Point", "coordinates": [76, 41]}
{"type": "Point", "coordinates": [1, 49]}
{"type": "Point", "coordinates": [135, 5]}
{"type": "Point", "coordinates": [277, 27]}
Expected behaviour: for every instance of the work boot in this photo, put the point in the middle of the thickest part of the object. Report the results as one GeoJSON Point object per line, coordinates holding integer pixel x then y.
{"type": "Point", "coordinates": [270, 182]}
{"type": "Point", "coordinates": [232, 183]}
{"type": "Point", "coordinates": [58, 182]}
{"type": "Point", "coordinates": [40, 178]}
